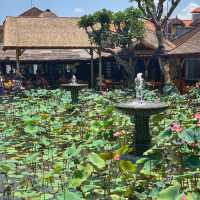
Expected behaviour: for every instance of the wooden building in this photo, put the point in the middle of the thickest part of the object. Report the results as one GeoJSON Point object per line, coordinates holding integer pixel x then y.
{"type": "Point", "coordinates": [186, 59]}
{"type": "Point", "coordinates": [41, 38]}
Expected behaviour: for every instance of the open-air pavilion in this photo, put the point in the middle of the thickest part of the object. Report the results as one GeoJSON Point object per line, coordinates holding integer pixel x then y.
{"type": "Point", "coordinates": [62, 34]}
{"type": "Point", "coordinates": [56, 38]}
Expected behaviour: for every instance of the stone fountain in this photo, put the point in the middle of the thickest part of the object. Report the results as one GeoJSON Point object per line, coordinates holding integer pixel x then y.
{"type": "Point", "coordinates": [141, 110]}
{"type": "Point", "coordinates": [74, 87]}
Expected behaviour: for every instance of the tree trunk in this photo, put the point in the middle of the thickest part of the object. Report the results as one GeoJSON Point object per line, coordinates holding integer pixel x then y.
{"type": "Point", "coordinates": [164, 64]}
{"type": "Point", "coordinates": [128, 65]}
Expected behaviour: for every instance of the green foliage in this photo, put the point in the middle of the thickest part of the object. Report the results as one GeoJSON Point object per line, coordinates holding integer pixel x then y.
{"type": "Point", "coordinates": [96, 160]}
{"type": "Point", "coordinates": [170, 193]}
{"type": "Point", "coordinates": [50, 149]}
{"type": "Point", "coordinates": [116, 28]}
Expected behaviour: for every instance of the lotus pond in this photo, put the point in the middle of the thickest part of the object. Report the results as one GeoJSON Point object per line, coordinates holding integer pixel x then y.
{"type": "Point", "coordinates": [51, 149]}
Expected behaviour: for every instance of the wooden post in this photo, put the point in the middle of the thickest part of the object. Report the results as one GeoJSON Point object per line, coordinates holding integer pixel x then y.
{"type": "Point", "coordinates": [146, 64]}
{"type": "Point", "coordinates": [92, 68]}
{"type": "Point", "coordinates": [17, 59]}
{"type": "Point", "coordinates": [100, 70]}
{"type": "Point", "coordinates": [179, 62]}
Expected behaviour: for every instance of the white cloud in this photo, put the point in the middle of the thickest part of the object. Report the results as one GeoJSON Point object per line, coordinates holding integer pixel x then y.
{"type": "Point", "coordinates": [185, 13]}
{"type": "Point", "coordinates": [78, 10]}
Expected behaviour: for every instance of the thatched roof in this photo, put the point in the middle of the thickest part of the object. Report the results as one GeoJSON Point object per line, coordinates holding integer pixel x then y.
{"type": "Point", "coordinates": [49, 33]}
{"type": "Point", "coordinates": [150, 40]}
{"type": "Point", "coordinates": [60, 55]}
{"type": "Point", "coordinates": [1, 33]}
{"type": "Point", "coordinates": [188, 44]}
{"type": "Point", "coordinates": [57, 33]}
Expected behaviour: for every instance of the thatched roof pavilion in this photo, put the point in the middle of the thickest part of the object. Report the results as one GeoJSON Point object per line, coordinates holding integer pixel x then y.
{"type": "Point", "coordinates": [47, 37]}
{"type": "Point", "coordinates": [59, 33]}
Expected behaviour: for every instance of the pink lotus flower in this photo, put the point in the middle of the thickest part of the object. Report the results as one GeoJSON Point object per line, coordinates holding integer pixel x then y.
{"type": "Point", "coordinates": [117, 157]}
{"type": "Point", "coordinates": [184, 197]}
{"type": "Point", "coordinates": [176, 127]}
{"type": "Point", "coordinates": [118, 133]}
{"type": "Point", "coordinates": [197, 116]}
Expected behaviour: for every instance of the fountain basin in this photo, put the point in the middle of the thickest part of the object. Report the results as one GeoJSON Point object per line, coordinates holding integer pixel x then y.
{"type": "Point", "coordinates": [135, 107]}
{"type": "Point", "coordinates": [74, 85]}
{"type": "Point", "coordinates": [74, 88]}
{"type": "Point", "coordinates": [141, 112]}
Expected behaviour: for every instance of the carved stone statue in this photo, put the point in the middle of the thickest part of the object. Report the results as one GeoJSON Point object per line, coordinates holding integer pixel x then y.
{"type": "Point", "coordinates": [139, 84]}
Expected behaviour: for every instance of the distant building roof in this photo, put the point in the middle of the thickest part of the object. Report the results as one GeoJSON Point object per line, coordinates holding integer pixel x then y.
{"type": "Point", "coordinates": [187, 22]}
{"type": "Point", "coordinates": [188, 43]}
{"type": "Point", "coordinates": [176, 21]}
{"type": "Point", "coordinates": [196, 10]}
{"type": "Point", "coordinates": [33, 12]}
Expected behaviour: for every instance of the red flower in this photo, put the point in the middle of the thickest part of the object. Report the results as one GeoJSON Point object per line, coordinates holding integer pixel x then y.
{"type": "Point", "coordinates": [176, 127]}
{"type": "Point", "coordinates": [184, 197]}
{"type": "Point", "coordinates": [197, 116]}
{"type": "Point", "coordinates": [117, 157]}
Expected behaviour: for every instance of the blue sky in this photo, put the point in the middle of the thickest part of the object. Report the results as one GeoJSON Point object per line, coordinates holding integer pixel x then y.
{"type": "Point", "coordinates": [79, 7]}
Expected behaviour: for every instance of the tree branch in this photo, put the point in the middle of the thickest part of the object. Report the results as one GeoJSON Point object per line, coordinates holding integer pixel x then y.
{"type": "Point", "coordinates": [171, 10]}
{"type": "Point", "coordinates": [116, 56]}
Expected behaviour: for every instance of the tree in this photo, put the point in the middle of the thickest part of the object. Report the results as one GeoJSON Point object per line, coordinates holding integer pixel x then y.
{"type": "Point", "coordinates": [154, 11]}
{"type": "Point", "coordinates": [111, 31]}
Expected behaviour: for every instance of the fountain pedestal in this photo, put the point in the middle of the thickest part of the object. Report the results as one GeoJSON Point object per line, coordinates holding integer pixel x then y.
{"type": "Point", "coordinates": [143, 138]}
{"type": "Point", "coordinates": [141, 113]}
{"type": "Point", "coordinates": [74, 88]}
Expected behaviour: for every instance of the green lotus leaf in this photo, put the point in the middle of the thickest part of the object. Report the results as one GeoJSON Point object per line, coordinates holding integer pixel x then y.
{"type": "Point", "coordinates": [170, 193]}
{"type": "Point", "coordinates": [96, 160]}
{"type": "Point", "coordinates": [69, 195]}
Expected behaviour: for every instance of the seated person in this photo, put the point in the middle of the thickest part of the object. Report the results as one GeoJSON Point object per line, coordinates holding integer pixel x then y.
{"type": "Point", "coordinates": [62, 79]}
{"type": "Point", "coordinates": [41, 82]}
{"type": "Point", "coordinates": [27, 83]}
{"type": "Point", "coordinates": [8, 83]}
{"type": "Point", "coordinates": [102, 84]}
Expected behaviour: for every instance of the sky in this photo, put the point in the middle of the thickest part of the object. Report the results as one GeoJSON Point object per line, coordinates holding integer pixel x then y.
{"type": "Point", "coordinates": [80, 7]}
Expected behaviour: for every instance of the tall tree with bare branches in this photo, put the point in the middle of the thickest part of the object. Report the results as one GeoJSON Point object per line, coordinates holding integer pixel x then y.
{"type": "Point", "coordinates": [156, 12]}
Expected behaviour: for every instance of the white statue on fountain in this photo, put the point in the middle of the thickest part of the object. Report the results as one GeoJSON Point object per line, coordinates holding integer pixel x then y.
{"type": "Point", "coordinates": [139, 84]}
{"type": "Point", "coordinates": [74, 80]}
